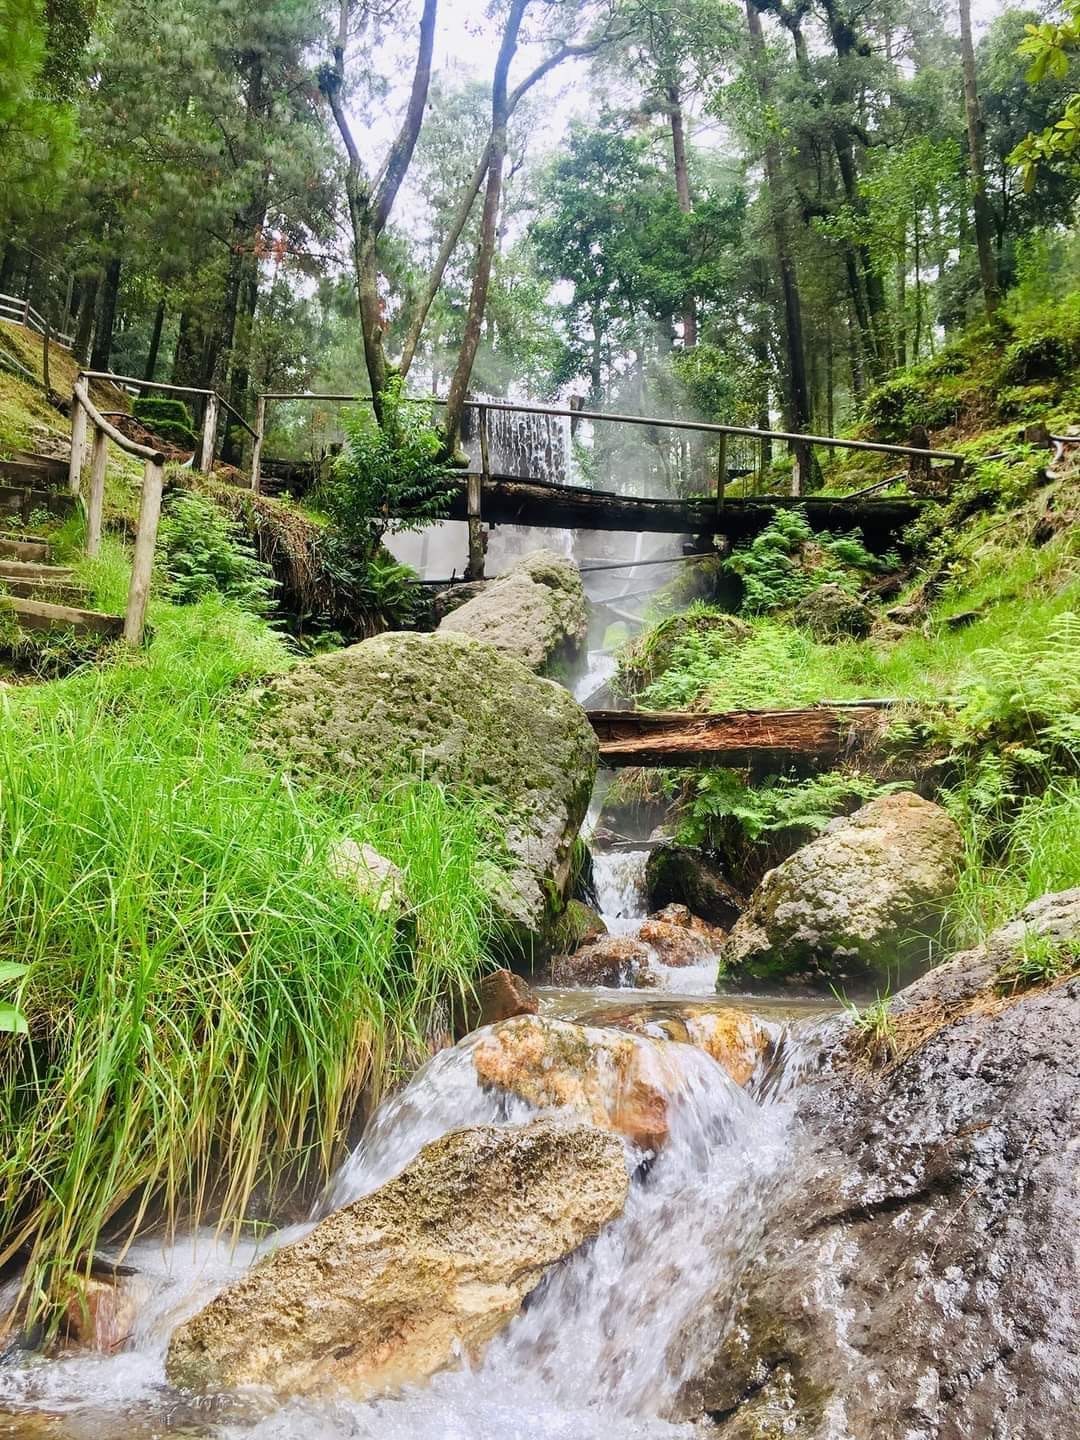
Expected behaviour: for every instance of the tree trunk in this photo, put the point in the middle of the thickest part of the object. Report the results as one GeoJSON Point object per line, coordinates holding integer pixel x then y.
{"type": "Point", "coordinates": [240, 374]}
{"type": "Point", "coordinates": [798, 399]}
{"type": "Point", "coordinates": [7, 266]}
{"type": "Point", "coordinates": [84, 327]}
{"type": "Point", "coordinates": [686, 203]}
{"type": "Point", "coordinates": [976, 135]}
{"type": "Point", "coordinates": [459, 384]}
{"type": "Point", "coordinates": [103, 335]}
{"type": "Point", "coordinates": [155, 341]}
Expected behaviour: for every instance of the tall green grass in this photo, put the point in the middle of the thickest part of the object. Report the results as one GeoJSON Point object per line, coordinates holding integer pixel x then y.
{"type": "Point", "coordinates": [206, 1001]}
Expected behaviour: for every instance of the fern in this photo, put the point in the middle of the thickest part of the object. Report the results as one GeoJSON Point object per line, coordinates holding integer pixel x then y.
{"type": "Point", "coordinates": [787, 560]}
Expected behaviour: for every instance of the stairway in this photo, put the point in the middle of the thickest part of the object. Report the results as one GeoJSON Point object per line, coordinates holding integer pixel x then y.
{"type": "Point", "coordinates": [40, 595]}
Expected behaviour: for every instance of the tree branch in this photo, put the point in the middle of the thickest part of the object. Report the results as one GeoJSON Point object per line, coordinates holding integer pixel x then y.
{"type": "Point", "coordinates": [397, 161]}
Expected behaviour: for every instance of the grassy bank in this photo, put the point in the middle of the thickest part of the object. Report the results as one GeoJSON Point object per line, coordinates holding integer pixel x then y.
{"type": "Point", "coordinates": [205, 1000]}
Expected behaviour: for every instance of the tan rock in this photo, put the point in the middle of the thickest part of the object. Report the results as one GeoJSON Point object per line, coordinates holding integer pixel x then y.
{"type": "Point", "coordinates": [734, 1038]}
{"type": "Point", "coordinates": [677, 945]}
{"type": "Point", "coordinates": [394, 1287]}
{"type": "Point", "coordinates": [371, 875]}
{"type": "Point", "coordinates": [102, 1316]}
{"type": "Point", "coordinates": [500, 996]}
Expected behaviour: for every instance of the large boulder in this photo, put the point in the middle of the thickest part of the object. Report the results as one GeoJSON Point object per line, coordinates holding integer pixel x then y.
{"type": "Point", "coordinates": [617, 1080]}
{"type": "Point", "coordinates": [535, 612]}
{"type": "Point", "coordinates": [401, 1283]}
{"type": "Point", "coordinates": [458, 712]}
{"type": "Point", "coordinates": [608, 960]}
{"type": "Point", "coordinates": [830, 611]}
{"type": "Point", "coordinates": [919, 1275]}
{"type": "Point", "coordinates": [862, 897]}
{"type": "Point", "coordinates": [684, 875]}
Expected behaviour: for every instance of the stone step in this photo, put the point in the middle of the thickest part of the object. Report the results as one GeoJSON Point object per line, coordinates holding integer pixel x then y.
{"type": "Point", "coordinates": [25, 499]}
{"type": "Point", "coordinates": [41, 615]}
{"type": "Point", "coordinates": [31, 548]}
{"type": "Point", "coordinates": [43, 472]}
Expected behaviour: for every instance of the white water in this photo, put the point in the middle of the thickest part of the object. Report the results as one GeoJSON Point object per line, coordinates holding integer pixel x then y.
{"type": "Point", "coordinates": [600, 1351]}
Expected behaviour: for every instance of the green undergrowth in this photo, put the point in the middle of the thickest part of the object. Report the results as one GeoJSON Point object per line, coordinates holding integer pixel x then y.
{"type": "Point", "coordinates": [206, 1002]}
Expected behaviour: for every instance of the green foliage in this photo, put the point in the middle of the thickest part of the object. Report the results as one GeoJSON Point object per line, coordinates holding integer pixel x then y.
{"type": "Point", "coordinates": [168, 418]}
{"type": "Point", "coordinates": [200, 550]}
{"type": "Point", "coordinates": [378, 592]}
{"type": "Point", "coordinates": [1040, 960]}
{"type": "Point", "coordinates": [12, 1020]}
{"type": "Point", "coordinates": [1029, 697]}
{"type": "Point", "coordinates": [389, 477]}
{"type": "Point", "coordinates": [1052, 48]}
{"type": "Point", "coordinates": [780, 803]}
{"type": "Point", "coordinates": [787, 560]}
{"type": "Point", "coordinates": [205, 999]}
{"type": "Point", "coordinates": [893, 408]}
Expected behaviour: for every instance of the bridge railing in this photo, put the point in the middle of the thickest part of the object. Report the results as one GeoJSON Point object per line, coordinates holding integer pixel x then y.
{"type": "Point", "coordinates": [215, 406]}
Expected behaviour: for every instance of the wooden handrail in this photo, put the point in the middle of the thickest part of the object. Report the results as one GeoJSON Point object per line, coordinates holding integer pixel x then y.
{"type": "Point", "coordinates": [144, 452]}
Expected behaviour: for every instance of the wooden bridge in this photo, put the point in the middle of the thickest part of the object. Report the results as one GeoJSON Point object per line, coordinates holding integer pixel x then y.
{"type": "Point", "coordinates": [741, 738]}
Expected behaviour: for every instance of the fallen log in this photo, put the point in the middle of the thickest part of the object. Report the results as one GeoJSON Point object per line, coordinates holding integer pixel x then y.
{"type": "Point", "coordinates": [738, 737]}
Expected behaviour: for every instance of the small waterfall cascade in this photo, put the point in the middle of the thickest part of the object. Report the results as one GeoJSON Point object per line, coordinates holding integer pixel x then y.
{"type": "Point", "coordinates": [521, 443]}
{"type": "Point", "coordinates": [599, 1352]}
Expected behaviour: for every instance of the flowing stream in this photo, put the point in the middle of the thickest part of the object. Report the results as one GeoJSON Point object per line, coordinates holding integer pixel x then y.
{"type": "Point", "coordinates": [600, 1350]}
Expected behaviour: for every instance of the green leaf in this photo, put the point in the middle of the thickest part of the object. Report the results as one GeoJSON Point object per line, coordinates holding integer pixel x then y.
{"type": "Point", "coordinates": [11, 971]}
{"type": "Point", "coordinates": [12, 1022]}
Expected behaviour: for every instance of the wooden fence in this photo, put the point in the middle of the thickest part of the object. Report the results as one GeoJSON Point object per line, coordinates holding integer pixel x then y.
{"type": "Point", "coordinates": [12, 307]}
{"type": "Point", "coordinates": [85, 415]}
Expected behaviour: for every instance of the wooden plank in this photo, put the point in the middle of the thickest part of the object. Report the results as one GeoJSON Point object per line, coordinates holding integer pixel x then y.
{"type": "Point", "coordinates": [22, 500]}
{"type": "Point", "coordinates": [511, 501]}
{"type": "Point", "coordinates": [30, 570]}
{"type": "Point", "coordinates": [62, 592]}
{"type": "Point", "coordinates": [740, 737]}
{"type": "Point", "coordinates": [37, 470]}
{"type": "Point", "coordinates": [41, 615]}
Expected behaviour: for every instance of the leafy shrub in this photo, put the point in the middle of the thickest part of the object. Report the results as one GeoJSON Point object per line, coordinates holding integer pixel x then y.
{"type": "Point", "coordinates": [389, 477]}
{"type": "Point", "coordinates": [200, 550]}
{"type": "Point", "coordinates": [893, 408]}
{"type": "Point", "coordinates": [380, 594]}
{"type": "Point", "coordinates": [787, 560]}
{"type": "Point", "coordinates": [168, 418]}
{"type": "Point", "coordinates": [779, 803]}
{"type": "Point", "coordinates": [1037, 357]}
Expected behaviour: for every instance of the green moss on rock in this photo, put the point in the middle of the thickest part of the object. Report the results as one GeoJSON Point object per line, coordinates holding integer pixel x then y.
{"type": "Point", "coordinates": [463, 714]}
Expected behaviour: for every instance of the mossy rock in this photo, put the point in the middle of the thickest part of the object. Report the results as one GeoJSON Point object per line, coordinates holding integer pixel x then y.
{"type": "Point", "coordinates": [460, 713]}
{"type": "Point", "coordinates": [534, 613]}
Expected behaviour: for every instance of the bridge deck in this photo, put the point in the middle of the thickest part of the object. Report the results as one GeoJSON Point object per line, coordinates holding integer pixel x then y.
{"type": "Point", "coordinates": [508, 500]}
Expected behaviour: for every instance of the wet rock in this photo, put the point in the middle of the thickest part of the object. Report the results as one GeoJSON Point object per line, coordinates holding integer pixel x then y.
{"type": "Point", "coordinates": [579, 924]}
{"type": "Point", "coordinates": [611, 960]}
{"type": "Point", "coordinates": [371, 875]}
{"type": "Point", "coordinates": [733, 1038]}
{"type": "Point", "coordinates": [919, 1275]}
{"type": "Point", "coordinates": [461, 713]}
{"type": "Point", "coordinates": [831, 611]}
{"type": "Point", "coordinates": [102, 1316]}
{"type": "Point", "coordinates": [534, 613]}
{"type": "Point", "coordinates": [677, 945]}
{"type": "Point", "coordinates": [500, 996]}
{"type": "Point", "coordinates": [445, 602]}
{"type": "Point", "coordinates": [683, 875]}
{"type": "Point", "coordinates": [618, 1081]}
{"type": "Point", "coordinates": [399, 1284]}
{"type": "Point", "coordinates": [862, 897]}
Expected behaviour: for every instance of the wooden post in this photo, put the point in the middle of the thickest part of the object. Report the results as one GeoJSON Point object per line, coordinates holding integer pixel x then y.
{"type": "Point", "coordinates": [721, 472]}
{"type": "Point", "coordinates": [142, 565]}
{"type": "Point", "coordinates": [475, 502]}
{"type": "Point", "coordinates": [800, 470]}
{"type": "Point", "coordinates": [96, 504]}
{"type": "Point", "coordinates": [45, 382]}
{"type": "Point", "coordinates": [78, 441]}
{"type": "Point", "coordinates": [257, 444]}
{"type": "Point", "coordinates": [209, 434]}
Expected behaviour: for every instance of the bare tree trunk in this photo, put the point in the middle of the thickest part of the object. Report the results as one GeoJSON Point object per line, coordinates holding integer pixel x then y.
{"type": "Point", "coordinates": [798, 399]}
{"type": "Point", "coordinates": [84, 327]}
{"type": "Point", "coordinates": [103, 335]}
{"type": "Point", "coordinates": [370, 203]}
{"type": "Point", "coordinates": [686, 203]}
{"type": "Point", "coordinates": [459, 383]}
{"type": "Point", "coordinates": [976, 133]}
{"type": "Point", "coordinates": [155, 341]}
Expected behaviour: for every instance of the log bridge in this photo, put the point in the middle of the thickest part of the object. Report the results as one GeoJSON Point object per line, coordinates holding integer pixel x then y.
{"type": "Point", "coordinates": [740, 738]}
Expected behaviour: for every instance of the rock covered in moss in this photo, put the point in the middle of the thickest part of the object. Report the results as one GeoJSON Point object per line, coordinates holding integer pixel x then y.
{"type": "Point", "coordinates": [863, 896]}
{"type": "Point", "coordinates": [831, 611]}
{"type": "Point", "coordinates": [535, 612]}
{"type": "Point", "coordinates": [456, 711]}
{"type": "Point", "coordinates": [401, 1283]}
